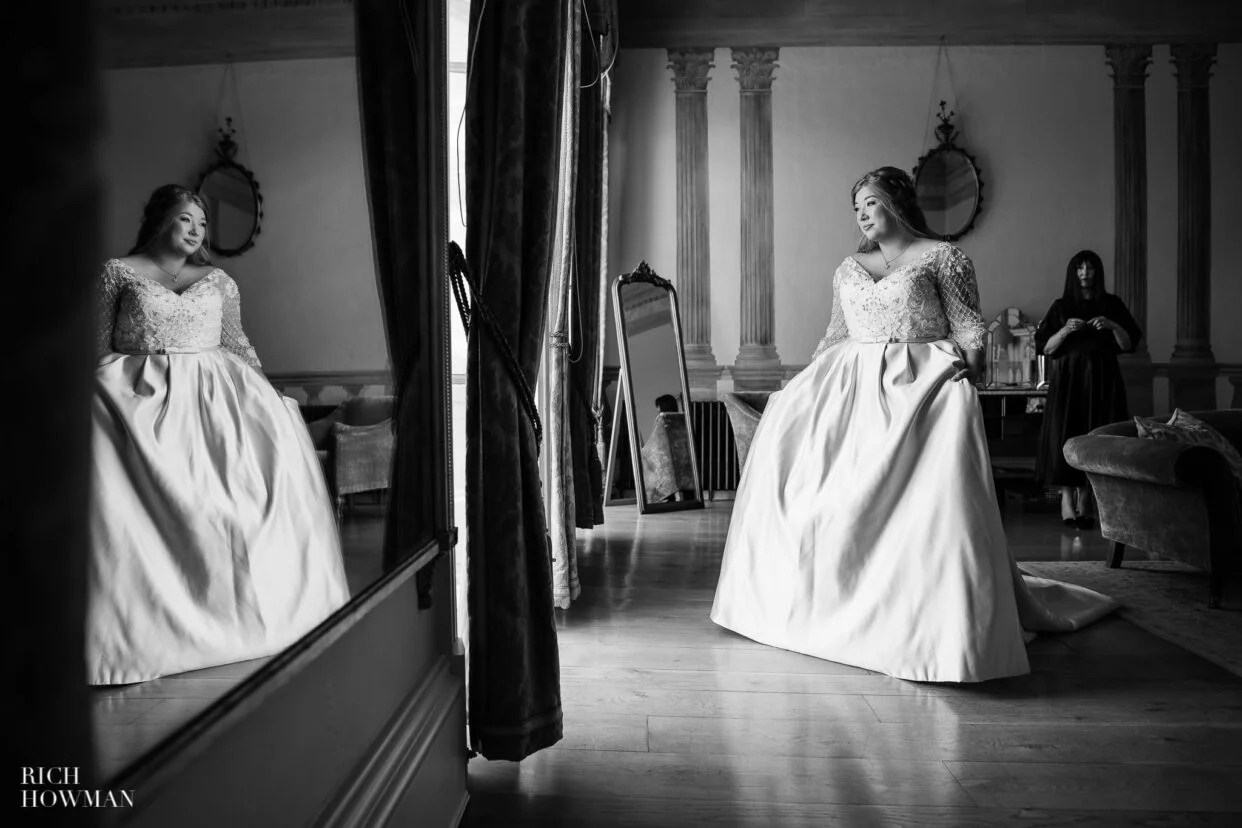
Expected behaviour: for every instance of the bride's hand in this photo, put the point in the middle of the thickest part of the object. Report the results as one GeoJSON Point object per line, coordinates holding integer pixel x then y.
{"type": "Point", "coordinates": [970, 365]}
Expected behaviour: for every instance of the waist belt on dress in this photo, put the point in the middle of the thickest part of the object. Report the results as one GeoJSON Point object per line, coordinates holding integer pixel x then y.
{"type": "Point", "coordinates": [163, 351]}
{"type": "Point", "coordinates": [887, 340]}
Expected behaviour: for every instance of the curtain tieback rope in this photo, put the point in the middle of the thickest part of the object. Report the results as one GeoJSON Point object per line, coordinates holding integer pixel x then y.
{"type": "Point", "coordinates": [461, 279]}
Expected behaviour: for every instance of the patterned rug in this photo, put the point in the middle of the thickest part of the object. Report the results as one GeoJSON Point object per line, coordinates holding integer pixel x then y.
{"type": "Point", "coordinates": [1166, 599]}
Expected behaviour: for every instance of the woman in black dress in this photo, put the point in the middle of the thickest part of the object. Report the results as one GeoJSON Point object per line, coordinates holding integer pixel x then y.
{"type": "Point", "coordinates": [1081, 335]}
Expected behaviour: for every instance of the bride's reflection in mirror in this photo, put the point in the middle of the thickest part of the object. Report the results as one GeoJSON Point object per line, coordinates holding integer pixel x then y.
{"type": "Point", "coordinates": [242, 442]}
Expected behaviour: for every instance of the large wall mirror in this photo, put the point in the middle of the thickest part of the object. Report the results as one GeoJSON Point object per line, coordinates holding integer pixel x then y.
{"type": "Point", "coordinates": [948, 184]}
{"type": "Point", "coordinates": [312, 308]}
{"type": "Point", "coordinates": [651, 430]}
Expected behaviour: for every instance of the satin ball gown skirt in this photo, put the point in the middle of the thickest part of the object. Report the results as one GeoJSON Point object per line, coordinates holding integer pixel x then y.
{"type": "Point", "coordinates": [213, 537]}
{"type": "Point", "coordinates": [866, 529]}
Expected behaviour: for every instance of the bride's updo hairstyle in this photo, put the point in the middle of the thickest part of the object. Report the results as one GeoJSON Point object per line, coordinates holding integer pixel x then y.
{"type": "Point", "coordinates": [894, 189]}
{"type": "Point", "coordinates": [162, 209]}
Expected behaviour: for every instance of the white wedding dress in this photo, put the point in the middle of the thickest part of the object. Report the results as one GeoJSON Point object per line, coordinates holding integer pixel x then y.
{"type": "Point", "coordinates": [212, 535]}
{"type": "Point", "coordinates": [866, 529]}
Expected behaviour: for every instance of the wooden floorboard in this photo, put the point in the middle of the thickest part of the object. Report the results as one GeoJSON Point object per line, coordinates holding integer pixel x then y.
{"type": "Point", "coordinates": [690, 811]}
{"type": "Point", "coordinates": [673, 721]}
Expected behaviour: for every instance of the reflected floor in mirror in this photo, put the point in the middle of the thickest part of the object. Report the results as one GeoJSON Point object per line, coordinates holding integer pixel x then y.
{"type": "Point", "coordinates": [673, 721]}
{"type": "Point", "coordinates": [131, 719]}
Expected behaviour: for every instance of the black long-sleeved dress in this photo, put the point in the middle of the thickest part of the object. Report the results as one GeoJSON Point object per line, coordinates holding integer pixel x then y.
{"type": "Point", "coordinates": [1086, 389]}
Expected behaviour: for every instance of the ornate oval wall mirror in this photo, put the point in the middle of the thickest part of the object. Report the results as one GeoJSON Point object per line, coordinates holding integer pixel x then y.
{"type": "Point", "coordinates": [948, 184]}
{"type": "Point", "coordinates": [233, 199]}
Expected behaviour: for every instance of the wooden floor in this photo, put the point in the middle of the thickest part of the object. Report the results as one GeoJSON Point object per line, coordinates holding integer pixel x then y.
{"type": "Point", "coordinates": [672, 721]}
{"type": "Point", "coordinates": [128, 720]}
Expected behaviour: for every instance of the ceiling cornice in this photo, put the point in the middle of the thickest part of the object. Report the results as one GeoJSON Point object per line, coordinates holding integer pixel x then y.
{"type": "Point", "coordinates": [738, 23]}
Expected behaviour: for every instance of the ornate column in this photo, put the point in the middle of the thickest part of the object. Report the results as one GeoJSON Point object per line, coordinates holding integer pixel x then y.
{"type": "Point", "coordinates": [1192, 368]}
{"type": "Point", "coordinates": [758, 367]}
{"type": "Point", "coordinates": [1129, 67]}
{"type": "Point", "coordinates": [694, 287]}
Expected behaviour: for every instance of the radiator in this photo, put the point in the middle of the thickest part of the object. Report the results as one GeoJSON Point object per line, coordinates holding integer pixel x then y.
{"type": "Point", "coordinates": [714, 448]}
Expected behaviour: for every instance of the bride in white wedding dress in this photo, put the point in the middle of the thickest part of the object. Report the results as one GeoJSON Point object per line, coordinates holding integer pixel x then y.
{"type": "Point", "coordinates": [866, 529]}
{"type": "Point", "coordinates": [212, 535]}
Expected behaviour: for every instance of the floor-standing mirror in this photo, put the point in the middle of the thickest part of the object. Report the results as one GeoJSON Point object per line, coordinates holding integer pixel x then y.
{"type": "Point", "coordinates": [651, 420]}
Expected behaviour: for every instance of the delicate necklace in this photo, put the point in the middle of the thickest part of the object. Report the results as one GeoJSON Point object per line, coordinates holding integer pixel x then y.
{"type": "Point", "coordinates": [889, 262]}
{"type": "Point", "coordinates": [174, 276]}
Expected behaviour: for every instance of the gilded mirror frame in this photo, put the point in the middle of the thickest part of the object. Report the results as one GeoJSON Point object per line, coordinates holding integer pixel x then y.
{"type": "Point", "coordinates": [226, 150]}
{"type": "Point", "coordinates": [627, 410]}
{"type": "Point", "coordinates": [947, 134]}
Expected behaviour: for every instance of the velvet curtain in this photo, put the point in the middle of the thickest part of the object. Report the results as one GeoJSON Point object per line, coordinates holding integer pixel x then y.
{"type": "Point", "coordinates": [513, 153]}
{"type": "Point", "coordinates": [590, 288]}
{"type": "Point", "coordinates": [400, 46]}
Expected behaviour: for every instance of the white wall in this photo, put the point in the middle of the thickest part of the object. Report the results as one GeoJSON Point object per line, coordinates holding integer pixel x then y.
{"type": "Point", "coordinates": [1038, 119]}
{"type": "Point", "coordinates": [309, 298]}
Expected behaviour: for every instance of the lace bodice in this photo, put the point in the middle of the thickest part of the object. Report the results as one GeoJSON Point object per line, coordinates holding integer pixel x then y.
{"type": "Point", "coordinates": [933, 297]}
{"type": "Point", "coordinates": [141, 316]}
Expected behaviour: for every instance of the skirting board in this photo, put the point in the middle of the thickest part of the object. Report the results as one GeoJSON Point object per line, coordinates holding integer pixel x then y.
{"type": "Point", "coordinates": [376, 790]}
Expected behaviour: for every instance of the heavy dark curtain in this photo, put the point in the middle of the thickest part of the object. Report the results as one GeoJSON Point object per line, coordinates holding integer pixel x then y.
{"type": "Point", "coordinates": [513, 108]}
{"type": "Point", "coordinates": [402, 87]}
{"type": "Point", "coordinates": [590, 279]}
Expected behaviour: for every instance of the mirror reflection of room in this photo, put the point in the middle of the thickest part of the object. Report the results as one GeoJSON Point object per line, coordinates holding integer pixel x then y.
{"type": "Point", "coordinates": [656, 380]}
{"type": "Point", "coordinates": [948, 182]}
{"type": "Point", "coordinates": [948, 202]}
{"type": "Point", "coordinates": [243, 434]}
{"type": "Point", "coordinates": [231, 194]}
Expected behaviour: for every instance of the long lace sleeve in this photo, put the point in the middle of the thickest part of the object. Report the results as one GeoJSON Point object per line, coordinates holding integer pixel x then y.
{"type": "Point", "coordinates": [959, 293]}
{"type": "Point", "coordinates": [107, 294]}
{"type": "Point", "coordinates": [232, 336]}
{"type": "Point", "coordinates": [837, 329]}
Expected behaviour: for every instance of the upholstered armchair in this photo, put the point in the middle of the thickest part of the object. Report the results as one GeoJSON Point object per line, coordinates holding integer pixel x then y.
{"type": "Point", "coordinates": [355, 444]}
{"type": "Point", "coordinates": [1177, 500]}
{"type": "Point", "coordinates": [744, 409]}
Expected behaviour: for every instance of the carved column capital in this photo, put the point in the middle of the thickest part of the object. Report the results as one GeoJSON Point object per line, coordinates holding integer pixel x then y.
{"type": "Point", "coordinates": [1128, 64]}
{"type": "Point", "coordinates": [755, 66]}
{"type": "Point", "coordinates": [1192, 63]}
{"type": "Point", "coordinates": [690, 68]}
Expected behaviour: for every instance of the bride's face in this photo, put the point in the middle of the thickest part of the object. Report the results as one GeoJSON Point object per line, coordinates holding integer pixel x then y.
{"type": "Point", "coordinates": [188, 230]}
{"type": "Point", "coordinates": [873, 220]}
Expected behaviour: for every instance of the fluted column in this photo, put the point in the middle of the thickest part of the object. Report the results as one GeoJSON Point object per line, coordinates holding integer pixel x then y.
{"type": "Point", "coordinates": [694, 288]}
{"type": "Point", "coordinates": [1129, 67]}
{"type": "Point", "coordinates": [758, 367]}
{"type": "Point", "coordinates": [1192, 369]}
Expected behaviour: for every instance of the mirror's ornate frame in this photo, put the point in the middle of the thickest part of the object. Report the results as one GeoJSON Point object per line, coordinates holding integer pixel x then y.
{"type": "Point", "coordinates": [625, 388]}
{"type": "Point", "coordinates": [225, 152]}
{"type": "Point", "coordinates": [948, 146]}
